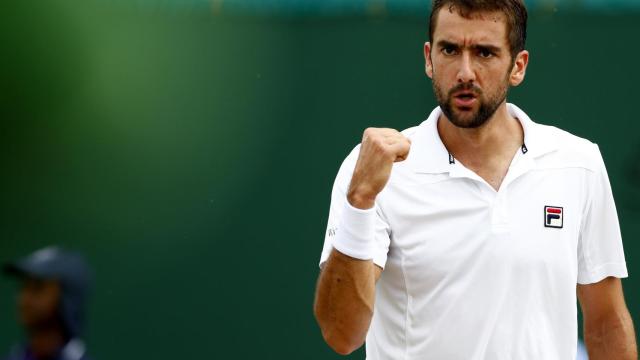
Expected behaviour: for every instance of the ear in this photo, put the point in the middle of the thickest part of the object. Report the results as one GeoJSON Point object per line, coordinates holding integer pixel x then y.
{"type": "Point", "coordinates": [519, 68]}
{"type": "Point", "coordinates": [427, 59]}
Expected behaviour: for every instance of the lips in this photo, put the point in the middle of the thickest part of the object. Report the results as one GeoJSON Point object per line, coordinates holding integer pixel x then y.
{"type": "Point", "coordinates": [464, 98]}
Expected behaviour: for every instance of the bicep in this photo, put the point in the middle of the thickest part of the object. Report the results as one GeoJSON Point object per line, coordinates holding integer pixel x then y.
{"type": "Point", "coordinates": [377, 271]}
{"type": "Point", "coordinates": [601, 299]}
{"type": "Point", "coordinates": [608, 327]}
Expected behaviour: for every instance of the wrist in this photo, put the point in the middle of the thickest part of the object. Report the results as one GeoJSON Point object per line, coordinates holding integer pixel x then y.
{"type": "Point", "coordinates": [356, 232]}
{"type": "Point", "coordinates": [361, 199]}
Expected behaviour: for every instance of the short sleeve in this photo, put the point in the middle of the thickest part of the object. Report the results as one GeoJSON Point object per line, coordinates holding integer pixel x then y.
{"type": "Point", "coordinates": [338, 199]}
{"type": "Point", "coordinates": [600, 251]}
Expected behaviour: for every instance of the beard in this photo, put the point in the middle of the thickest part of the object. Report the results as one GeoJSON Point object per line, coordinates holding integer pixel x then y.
{"type": "Point", "coordinates": [471, 120]}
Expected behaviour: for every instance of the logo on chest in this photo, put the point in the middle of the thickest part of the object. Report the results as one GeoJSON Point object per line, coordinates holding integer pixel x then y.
{"type": "Point", "coordinates": [553, 217]}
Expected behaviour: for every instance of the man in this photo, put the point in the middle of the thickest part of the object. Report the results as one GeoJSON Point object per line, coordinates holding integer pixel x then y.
{"type": "Point", "coordinates": [51, 304]}
{"type": "Point", "coordinates": [468, 236]}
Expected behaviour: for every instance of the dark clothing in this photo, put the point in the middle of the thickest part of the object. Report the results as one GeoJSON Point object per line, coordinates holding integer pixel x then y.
{"type": "Point", "coordinates": [73, 350]}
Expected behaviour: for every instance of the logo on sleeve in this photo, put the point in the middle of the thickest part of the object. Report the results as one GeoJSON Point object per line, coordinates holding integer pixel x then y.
{"type": "Point", "coordinates": [553, 217]}
{"type": "Point", "coordinates": [332, 231]}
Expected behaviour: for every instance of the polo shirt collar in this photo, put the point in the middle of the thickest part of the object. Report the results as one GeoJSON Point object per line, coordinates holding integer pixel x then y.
{"type": "Point", "coordinates": [430, 156]}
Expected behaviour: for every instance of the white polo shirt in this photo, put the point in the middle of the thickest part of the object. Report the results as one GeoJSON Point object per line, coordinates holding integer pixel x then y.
{"type": "Point", "coordinates": [471, 273]}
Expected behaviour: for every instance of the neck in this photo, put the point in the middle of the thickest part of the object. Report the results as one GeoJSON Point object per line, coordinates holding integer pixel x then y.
{"type": "Point", "coordinates": [45, 343]}
{"type": "Point", "coordinates": [500, 136]}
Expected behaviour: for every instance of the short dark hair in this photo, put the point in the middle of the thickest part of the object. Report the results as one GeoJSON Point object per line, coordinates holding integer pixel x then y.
{"type": "Point", "coordinates": [514, 9]}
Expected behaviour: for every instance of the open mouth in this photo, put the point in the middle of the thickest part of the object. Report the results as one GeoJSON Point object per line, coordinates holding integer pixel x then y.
{"type": "Point", "coordinates": [465, 99]}
{"type": "Point", "coordinates": [465, 95]}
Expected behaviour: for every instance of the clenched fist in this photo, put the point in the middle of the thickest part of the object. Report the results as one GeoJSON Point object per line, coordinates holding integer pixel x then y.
{"type": "Point", "coordinates": [379, 150]}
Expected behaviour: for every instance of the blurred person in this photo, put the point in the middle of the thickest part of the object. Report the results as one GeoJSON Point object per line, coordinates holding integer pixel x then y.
{"type": "Point", "coordinates": [51, 304]}
{"type": "Point", "coordinates": [471, 235]}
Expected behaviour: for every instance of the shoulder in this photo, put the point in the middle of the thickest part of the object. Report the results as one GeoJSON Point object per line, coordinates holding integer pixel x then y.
{"type": "Point", "coordinates": [411, 132]}
{"type": "Point", "coordinates": [567, 149]}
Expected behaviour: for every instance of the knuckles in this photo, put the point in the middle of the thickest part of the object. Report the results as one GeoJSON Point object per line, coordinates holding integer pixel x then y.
{"type": "Point", "coordinates": [368, 134]}
{"type": "Point", "coordinates": [384, 143]}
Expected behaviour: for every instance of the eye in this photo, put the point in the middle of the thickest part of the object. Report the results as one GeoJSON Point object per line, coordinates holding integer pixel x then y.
{"type": "Point", "coordinates": [484, 53]}
{"type": "Point", "coordinates": [449, 50]}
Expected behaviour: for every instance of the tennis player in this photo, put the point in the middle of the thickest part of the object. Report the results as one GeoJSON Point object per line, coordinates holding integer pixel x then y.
{"type": "Point", "coordinates": [472, 235]}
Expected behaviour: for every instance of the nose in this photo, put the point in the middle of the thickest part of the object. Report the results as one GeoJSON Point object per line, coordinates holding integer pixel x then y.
{"type": "Point", "coordinates": [466, 74]}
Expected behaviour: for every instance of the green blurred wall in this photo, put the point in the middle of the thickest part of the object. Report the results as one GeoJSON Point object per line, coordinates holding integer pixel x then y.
{"type": "Point", "coordinates": [191, 156]}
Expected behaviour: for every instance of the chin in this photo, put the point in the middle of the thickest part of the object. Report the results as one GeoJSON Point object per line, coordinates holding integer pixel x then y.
{"type": "Point", "coordinates": [464, 119]}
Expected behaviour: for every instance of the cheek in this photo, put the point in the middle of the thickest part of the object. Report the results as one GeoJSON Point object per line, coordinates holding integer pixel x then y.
{"type": "Point", "coordinates": [496, 78]}
{"type": "Point", "coordinates": [27, 309]}
{"type": "Point", "coordinates": [49, 302]}
{"type": "Point", "coordinates": [445, 70]}
{"type": "Point", "coordinates": [442, 80]}
{"type": "Point", "coordinates": [41, 304]}
{"type": "Point", "coordinates": [26, 299]}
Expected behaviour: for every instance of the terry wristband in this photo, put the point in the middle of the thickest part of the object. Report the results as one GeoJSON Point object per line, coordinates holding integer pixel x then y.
{"type": "Point", "coordinates": [356, 232]}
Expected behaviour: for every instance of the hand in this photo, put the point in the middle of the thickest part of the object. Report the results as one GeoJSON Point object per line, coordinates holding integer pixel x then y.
{"type": "Point", "coordinates": [379, 150]}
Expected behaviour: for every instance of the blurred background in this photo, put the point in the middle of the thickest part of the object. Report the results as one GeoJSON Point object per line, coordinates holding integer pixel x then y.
{"type": "Point", "coordinates": [188, 149]}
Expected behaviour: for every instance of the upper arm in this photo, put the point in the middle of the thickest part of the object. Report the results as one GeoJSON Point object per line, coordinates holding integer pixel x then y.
{"type": "Point", "coordinates": [602, 300]}
{"type": "Point", "coordinates": [600, 250]}
{"type": "Point", "coordinates": [378, 271]}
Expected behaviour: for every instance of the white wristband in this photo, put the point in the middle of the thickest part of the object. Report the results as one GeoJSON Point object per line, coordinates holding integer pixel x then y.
{"type": "Point", "coordinates": [356, 232]}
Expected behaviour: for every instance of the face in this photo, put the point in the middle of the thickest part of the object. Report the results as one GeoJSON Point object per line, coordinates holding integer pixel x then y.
{"type": "Point", "coordinates": [38, 302]}
{"type": "Point", "coordinates": [471, 65]}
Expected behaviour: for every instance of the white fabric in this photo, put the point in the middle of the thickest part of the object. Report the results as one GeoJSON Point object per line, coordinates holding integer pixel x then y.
{"type": "Point", "coordinates": [357, 232]}
{"type": "Point", "coordinates": [471, 273]}
{"type": "Point", "coordinates": [74, 350]}
{"type": "Point", "coordinates": [582, 352]}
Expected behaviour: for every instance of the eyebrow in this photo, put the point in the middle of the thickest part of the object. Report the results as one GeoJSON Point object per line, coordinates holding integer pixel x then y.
{"type": "Point", "coordinates": [492, 48]}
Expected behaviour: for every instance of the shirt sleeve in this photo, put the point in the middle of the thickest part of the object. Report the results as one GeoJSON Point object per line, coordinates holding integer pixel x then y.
{"type": "Point", "coordinates": [338, 199]}
{"type": "Point", "coordinates": [600, 251]}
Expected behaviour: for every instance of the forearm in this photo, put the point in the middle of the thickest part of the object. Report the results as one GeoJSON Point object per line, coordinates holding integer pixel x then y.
{"type": "Point", "coordinates": [346, 287]}
{"type": "Point", "coordinates": [611, 339]}
{"type": "Point", "coordinates": [344, 301]}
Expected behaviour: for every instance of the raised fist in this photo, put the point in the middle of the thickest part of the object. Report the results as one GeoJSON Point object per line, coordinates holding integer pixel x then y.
{"type": "Point", "coordinates": [380, 148]}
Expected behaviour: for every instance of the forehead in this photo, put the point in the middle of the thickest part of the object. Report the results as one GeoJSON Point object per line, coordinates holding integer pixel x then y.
{"type": "Point", "coordinates": [477, 27]}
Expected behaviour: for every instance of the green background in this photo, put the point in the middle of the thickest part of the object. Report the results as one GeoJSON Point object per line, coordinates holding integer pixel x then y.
{"type": "Point", "coordinates": [190, 154]}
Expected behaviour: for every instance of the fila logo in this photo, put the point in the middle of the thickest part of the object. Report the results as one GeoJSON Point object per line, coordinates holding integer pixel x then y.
{"type": "Point", "coordinates": [553, 216]}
